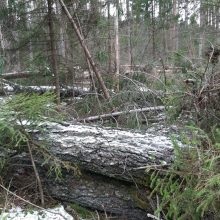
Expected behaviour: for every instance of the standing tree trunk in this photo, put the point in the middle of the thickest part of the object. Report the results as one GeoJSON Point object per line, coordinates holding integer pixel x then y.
{"type": "Point", "coordinates": [174, 38]}
{"type": "Point", "coordinates": [92, 81]}
{"type": "Point", "coordinates": [117, 47]}
{"type": "Point", "coordinates": [129, 52]}
{"type": "Point", "coordinates": [62, 27]}
{"type": "Point", "coordinates": [186, 11]}
{"type": "Point", "coordinates": [109, 40]}
{"type": "Point", "coordinates": [202, 32]}
{"type": "Point", "coordinates": [29, 20]}
{"type": "Point", "coordinates": [217, 18]}
{"type": "Point", "coordinates": [153, 29]}
{"type": "Point", "coordinates": [86, 50]}
{"type": "Point", "coordinates": [163, 20]}
{"type": "Point", "coordinates": [53, 51]}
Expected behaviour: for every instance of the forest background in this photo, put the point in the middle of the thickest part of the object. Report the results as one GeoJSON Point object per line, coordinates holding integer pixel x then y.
{"type": "Point", "coordinates": [126, 56]}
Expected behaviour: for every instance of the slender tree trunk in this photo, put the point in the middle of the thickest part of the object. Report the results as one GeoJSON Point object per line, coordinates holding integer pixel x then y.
{"type": "Point", "coordinates": [109, 40]}
{"type": "Point", "coordinates": [2, 40]}
{"type": "Point", "coordinates": [117, 47]}
{"type": "Point", "coordinates": [53, 51]}
{"type": "Point", "coordinates": [153, 29]}
{"type": "Point", "coordinates": [217, 16]}
{"type": "Point", "coordinates": [62, 48]}
{"type": "Point", "coordinates": [163, 30]}
{"type": "Point", "coordinates": [186, 10]}
{"type": "Point", "coordinates": [202, 24]}
{"type": "Point", "coordinates": [213, 17]}
{"type": "Point", "coordinates": [86, 50]}
{"type": "Point", "coordinates": [174, 34]}
{"type": "Point", "coordinates": [29, 18]}
{"type": "Point", "coordinates": [129, 52]}
{"type": "Point", "coordinates": [92, 82]}
{"type": "Point", "coordinates": [37, 176]}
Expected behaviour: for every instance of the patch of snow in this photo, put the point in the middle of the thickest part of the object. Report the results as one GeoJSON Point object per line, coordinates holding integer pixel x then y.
{"type": "Point", "coordinates": [2, 100]}
{"type": "Point", "coordinates": [17, 213]}
{"type": "Point", "coordinates": [8, 88]}
{"type": "Point", "coordinates": [129, 140]}
{"type": "Point", "coordinates": [144, 89]}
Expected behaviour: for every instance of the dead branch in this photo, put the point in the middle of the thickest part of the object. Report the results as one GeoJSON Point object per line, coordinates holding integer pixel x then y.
{"type": "Point", "coordinates": [116, 114]}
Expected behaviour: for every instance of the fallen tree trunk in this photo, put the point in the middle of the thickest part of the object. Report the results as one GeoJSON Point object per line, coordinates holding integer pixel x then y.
{"type": "Point", "coordinates": [117, 153]}
{"type": "Point", "coordinates": [103, 194]}
{"type": "Point", "coordinates": [96, 192]}
{"type": "Point", "coordinates": [14, 88]}
{"type": "Point", "coordinates": [113, 164]}
{"type": "Point", "coordinates": [116, 114]}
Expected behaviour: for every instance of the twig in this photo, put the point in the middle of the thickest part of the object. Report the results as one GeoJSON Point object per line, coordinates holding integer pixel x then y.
{"type": "Point", "coordinates": [36, 175]}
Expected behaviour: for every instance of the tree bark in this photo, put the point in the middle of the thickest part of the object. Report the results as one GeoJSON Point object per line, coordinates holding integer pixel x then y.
{"type": "Point", "coordinates": [120, 154]}
{"type": "Point", "coordinates": [113, 163]}
{"type": "Point", "coordinates": [153, 29]}
{"type": "Point", "coordinates": [96, 192]}
{"type": "Point", "coordinates": [129, 48]}
{"type": "Point", "coordinates": [117, 47]}
{"type": "Point", "coordinates": [109, 40]}
{"type": "Point", "coordinates": [202, 25]}
{"type": "Point", "coordinates": [53, 51]}
{"type": "Point", "coordinates": [174, 31]}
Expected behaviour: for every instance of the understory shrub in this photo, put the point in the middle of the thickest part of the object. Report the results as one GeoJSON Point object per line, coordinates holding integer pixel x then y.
{"type": "Point", "coordinates": [190, 188]}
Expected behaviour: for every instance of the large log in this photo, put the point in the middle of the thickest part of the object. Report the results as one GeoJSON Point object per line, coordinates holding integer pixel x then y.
{"type": "Point", "coordinates": [113, 164]}
{"type": "Point", "coordinates": [110, 152]}
{"type": "Point", "coordinates": [103, 194]}
{"type": "Point", "coordinates": [89, 190]}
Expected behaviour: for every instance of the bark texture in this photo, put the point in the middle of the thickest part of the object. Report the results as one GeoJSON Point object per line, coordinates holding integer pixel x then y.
{"type": "Point", "coordinates": [119, 154]}
{"type": "Point", "coordinates": [113, 164]}
{"type": "Point", "coordinates": [103, 194]}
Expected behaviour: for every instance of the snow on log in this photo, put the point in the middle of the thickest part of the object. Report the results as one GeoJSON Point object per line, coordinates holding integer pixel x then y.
{"type": "Point", "coordinates": [112, 161]}
{"type": "Point", "coordinates": [114, 153]}
{"type": "Point", "coordinates": [67, 91]}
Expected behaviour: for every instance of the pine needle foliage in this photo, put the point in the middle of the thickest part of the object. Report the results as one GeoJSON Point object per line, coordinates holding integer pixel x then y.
{"type": "Point", "coordinates": [22, 114]}
{"type": "Point", "coordinates": [190, 189]}
{"type": "Point", "coordinates": [19, 113]}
